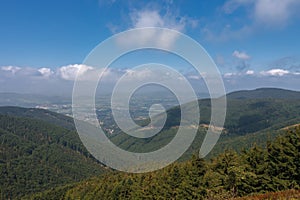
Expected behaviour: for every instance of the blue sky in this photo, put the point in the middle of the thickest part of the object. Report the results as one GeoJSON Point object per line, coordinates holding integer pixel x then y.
{"type": "Point", "coordinates": [255, 43]}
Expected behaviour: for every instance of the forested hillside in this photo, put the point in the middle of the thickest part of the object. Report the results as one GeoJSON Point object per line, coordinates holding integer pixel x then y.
{"type": "Point", "coordinates": [41, 151]}
{"type": "Point", "coordinates": [248, 121]}
{"type": "Point", "coordinates": [228, 175]}
{"type": "Point", "coordinates": [40, 114]}
{"type": "Point", "coordinates": [35, 156]}
{"type": "Point", "coordinates": [264, 93]}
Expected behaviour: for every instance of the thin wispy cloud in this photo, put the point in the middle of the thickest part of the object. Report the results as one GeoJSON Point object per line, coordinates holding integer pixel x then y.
{"type": "Point", "coordinates": [265, 12]}
{"type": "Point", "coordinates": [275, 12]}
{"type": "Point", "coordinates": [291, 63]}
{"type": "Point", "coordinates": [241, 55]}
{"type": "Point", "coordinates": [241, 60]}
{"type": "Point", "coordinates": [258, 15]}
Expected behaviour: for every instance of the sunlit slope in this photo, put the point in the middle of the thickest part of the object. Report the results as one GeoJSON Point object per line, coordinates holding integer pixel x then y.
{"type": "Point", "coordinates": [250, 119]}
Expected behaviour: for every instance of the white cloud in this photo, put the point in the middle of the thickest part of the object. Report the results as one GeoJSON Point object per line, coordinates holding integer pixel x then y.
{"type": "Point", "coordinates": [194, 77]}
{"type": "Point", "coordinates": [156, 18]}
{"type": "Point", "coordinates": [249, 72]}
{"type": "Point", "coordinates": [240, 55]}
{"type": "Point", "coordinates": [274, 12]}
{"type": "Point", "coordinates": [70, 72]}
{"type": "Point", "coordinates": [29, 72]}
{"type": "Point", "coordinates": [275, 72]}
{"type": "Point", "coordinates": [229, 74]}
{"type": "Point", "coordinates": [30, 80]}
{"type": "Point", "coordinates": [138, 74]}
{"type": "Point", "coordinates": [148, 73]}
{"type": "Point", "coordinates": [147, 18]}
{"type": "Point", "coordinates": [265, 12]}
{"type": "Point", "coordinates": [258, 15]}
{"type": "Point", "coordinates": [45, 72]}
{"type": "Point", "coordinates": [145, 37]}
{"type": "Point", "coordinates": [11, 69]}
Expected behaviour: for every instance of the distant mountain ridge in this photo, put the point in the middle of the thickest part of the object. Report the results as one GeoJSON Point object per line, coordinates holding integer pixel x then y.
{"type": "Point", "coordinates": [251, 118]}
{"type": "Point", "coordinates": [264, 93]}
{"type": "Point", "coordinates": [39, 114]}
{"type": "Point", "coordinates": [29, 100]}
